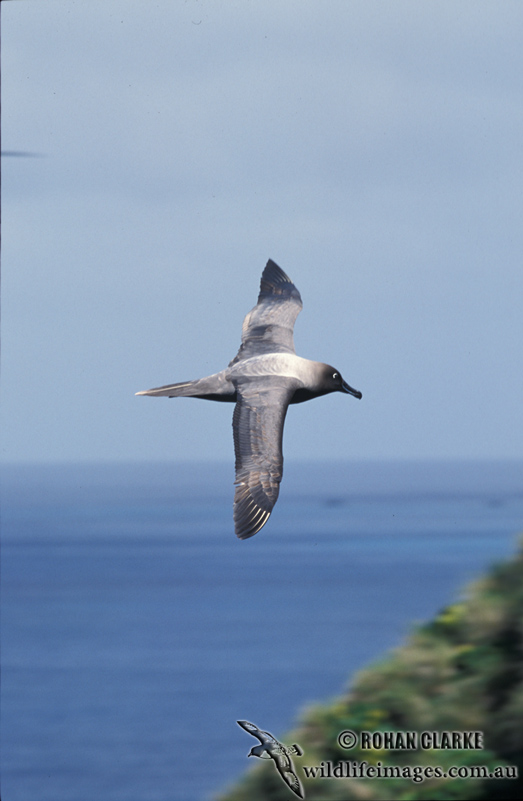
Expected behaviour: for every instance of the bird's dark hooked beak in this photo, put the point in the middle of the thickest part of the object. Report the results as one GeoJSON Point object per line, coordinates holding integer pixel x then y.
{"type": "Point", "coordinates": [349, 390]}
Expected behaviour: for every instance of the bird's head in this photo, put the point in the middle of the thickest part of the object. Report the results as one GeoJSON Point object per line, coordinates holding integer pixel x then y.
{"type": "Point", "coordinates": [333, 382]}
{"type": "Point", "coordinates": [259, 751]}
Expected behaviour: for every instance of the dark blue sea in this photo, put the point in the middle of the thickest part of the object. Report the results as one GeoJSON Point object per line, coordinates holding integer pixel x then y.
{"type": "Point", "coordinates": [136, 628]}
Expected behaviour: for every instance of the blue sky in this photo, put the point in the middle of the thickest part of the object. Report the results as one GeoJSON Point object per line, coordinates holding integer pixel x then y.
{"type": "Point", "coordinates": [372, 149]}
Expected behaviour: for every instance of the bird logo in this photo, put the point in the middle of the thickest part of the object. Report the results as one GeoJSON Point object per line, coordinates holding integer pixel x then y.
{"type": "Point", "coordinates": [270, 748]}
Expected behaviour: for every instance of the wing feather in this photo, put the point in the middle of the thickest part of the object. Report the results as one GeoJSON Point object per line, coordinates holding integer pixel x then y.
{"type": "Point", "coordinates": [258, 421]}
{"type": "Point", "coordinates": [288, 774]}
{"type": "Point", "coordinates": [269, 326]}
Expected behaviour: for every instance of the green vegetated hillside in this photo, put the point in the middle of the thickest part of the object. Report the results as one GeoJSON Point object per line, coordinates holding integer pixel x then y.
{"type": "Point", "coordinates": [462, 672]}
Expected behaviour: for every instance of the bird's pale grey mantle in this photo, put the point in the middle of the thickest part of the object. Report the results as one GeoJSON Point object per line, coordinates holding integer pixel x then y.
{"type": "Point", "coordinates": [262, 380]}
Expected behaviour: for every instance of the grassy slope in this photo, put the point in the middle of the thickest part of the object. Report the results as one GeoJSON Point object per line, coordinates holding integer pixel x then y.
{"type": "Point", "coordinates": [463, 671]}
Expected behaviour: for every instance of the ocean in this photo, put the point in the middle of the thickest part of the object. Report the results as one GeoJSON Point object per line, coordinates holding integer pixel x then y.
{"type": "Point", "coordinates": [136, 628]}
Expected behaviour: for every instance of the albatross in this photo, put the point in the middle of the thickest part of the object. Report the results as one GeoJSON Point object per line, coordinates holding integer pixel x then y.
{"type": "Point", "coordinates": [263, 379]}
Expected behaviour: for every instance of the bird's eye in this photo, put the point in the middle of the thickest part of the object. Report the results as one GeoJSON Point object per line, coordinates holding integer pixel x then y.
{"type": "Point", "coordinates": [335, 375]}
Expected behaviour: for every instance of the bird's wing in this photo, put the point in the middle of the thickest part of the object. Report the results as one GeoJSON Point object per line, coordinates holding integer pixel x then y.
{"type": "Point", "coordinates": [250, 727]}
{"type": "Point", "coordinates": [286, 771]}
{"type": "Point", "coordinates": [257, 423]}
{"type": "Point", "coordinates": [268, 328]}
{"type": "Point", "coordinates": [255, 731]}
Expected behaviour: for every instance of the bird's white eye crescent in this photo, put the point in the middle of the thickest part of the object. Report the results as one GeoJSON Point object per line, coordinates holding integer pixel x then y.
{"type": "Point", "coordinates": [335, 375]}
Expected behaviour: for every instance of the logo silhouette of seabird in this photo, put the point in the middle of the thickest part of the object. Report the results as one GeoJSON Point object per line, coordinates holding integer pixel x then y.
{"type": "Point", "coordinates": [270, 748]}
{"type": "Point", "coordinates": [262, 380]}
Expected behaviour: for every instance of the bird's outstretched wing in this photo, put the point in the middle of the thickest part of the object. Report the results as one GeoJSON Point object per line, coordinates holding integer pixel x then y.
{"type": "Point", "coordinates": [263, 736]}
{"type": "Point", "coordinates": [257, 423]}
{"type": "Point", "coordinates": [268, 328]}
{"type": "Point", "coordinates": [286, 771]}
{"type": "Point", "coordinates": [252, 729]}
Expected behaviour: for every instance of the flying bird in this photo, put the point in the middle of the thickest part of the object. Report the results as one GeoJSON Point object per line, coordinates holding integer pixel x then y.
{"type": "Point", "coordinates": [270, 748]}
{"type": "Point", "coordinates": [262, 380]}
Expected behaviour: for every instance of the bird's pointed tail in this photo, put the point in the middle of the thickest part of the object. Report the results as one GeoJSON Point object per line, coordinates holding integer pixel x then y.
{"type": "Point", "coordinates": [183, 389]}
{"type": "Point", "coordinates": [212, 387]}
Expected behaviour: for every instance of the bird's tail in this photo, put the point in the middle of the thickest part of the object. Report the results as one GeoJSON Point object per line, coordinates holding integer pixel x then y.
{"type": "Point", "coordinates": [184, 389]}
{"type": "Point", "coordinates": [213, 387]}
